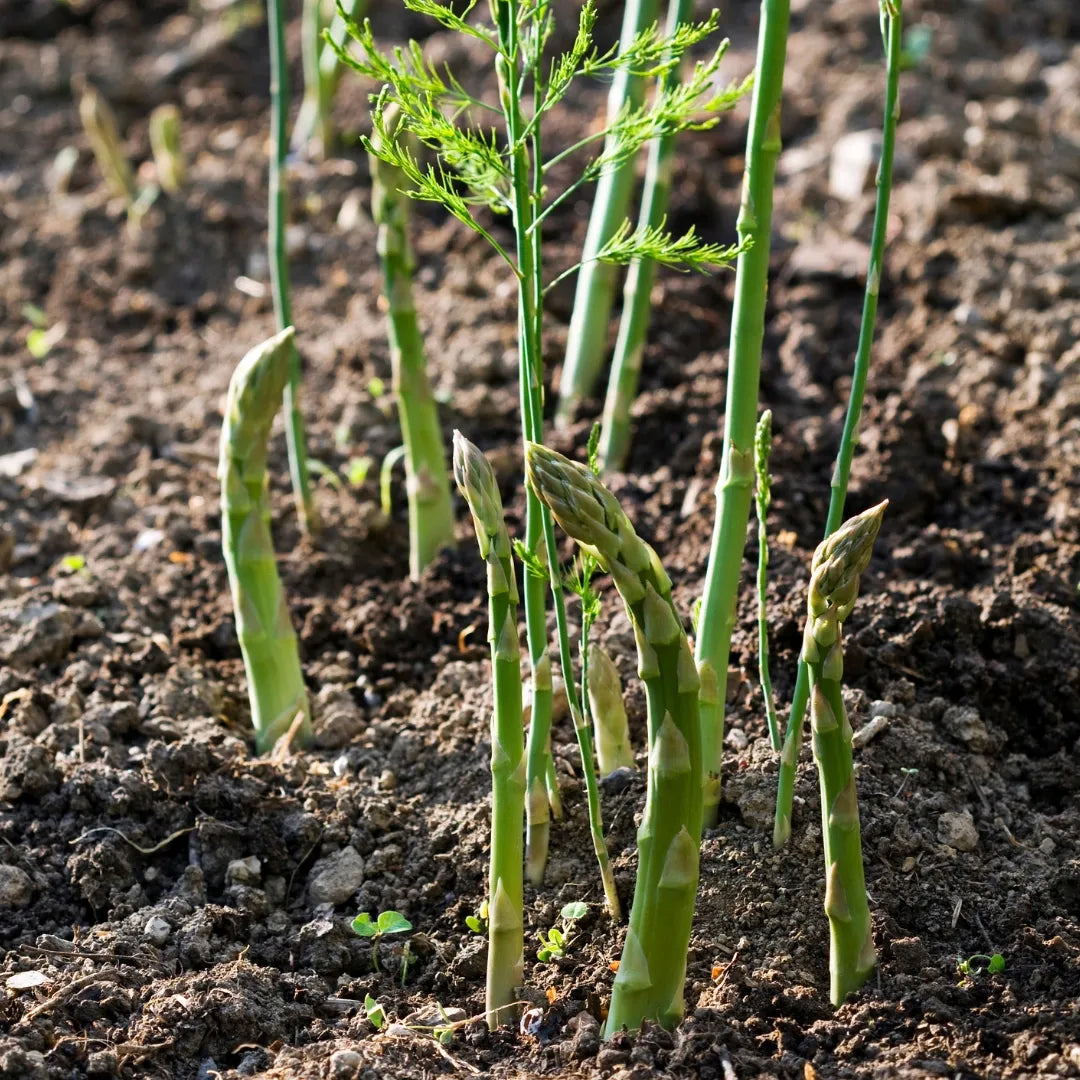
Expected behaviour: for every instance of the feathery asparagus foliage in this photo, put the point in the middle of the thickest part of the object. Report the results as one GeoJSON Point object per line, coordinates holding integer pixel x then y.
{"type": "Point", "coordinates": [314, 128]}
{"type": "Point", "coordinates": [736, 479]}
{"type": "Point", "coordinates": [476, 172]}
{"type": "Point", "coordinates": [762, 498]}
{"type": "Point", "coordinates": [634, 322]}
{"type": "Point", "coordinates": [613, 749]}
{"type": "Point", "coordinates": [276, 689]}
{"type": "Point", "coordinates": [652, 971]}
{"type": "Point", "coordinates": [891, 30]}
{"type": "Point", "coordinates": [476, 482]}
{"type": "Point", "coordinates": [165, 144]}
{"type": "Point", "coordinates": [431, 513]}
{"type": "Point", "coordinates": [836, 570]}
{"type": "Point", "coordinates": [586, 343]}
{"type": "Point", "coordinates": [279, 263]}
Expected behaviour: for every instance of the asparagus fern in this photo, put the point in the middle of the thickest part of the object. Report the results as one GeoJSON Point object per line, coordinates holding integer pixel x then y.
{"type": "Point", "coordinates": [276, 689]}
{"type": "Point", "coordinates": [652, 971]}
{"type": "Point", "coordinates": [476, 482]}
{"type": "Point", "coordinates": [838, 565]}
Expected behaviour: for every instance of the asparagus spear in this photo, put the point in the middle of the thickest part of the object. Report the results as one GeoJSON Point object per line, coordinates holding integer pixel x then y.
{"type": "Point", "coordinates": [834, 586]}
{"type": "Point", "coordinates": [476, 482]}
{"type": "Point", "coordinates": [762, 499]}
{"type": "Point", "coordinates": [267, 639]}
{"type": "Point", "coordinates": [431, 514]}
{"type": "Point", "coordinates": [891, 18]}
{"type": "Point", "coordinates": [99, 123]}
{"type": "Point", "coordinates": [165, 143]}
{"type": "Point", "coordinates": [649, 984]}
{"type": "Point", "coordinates": [613, 749]}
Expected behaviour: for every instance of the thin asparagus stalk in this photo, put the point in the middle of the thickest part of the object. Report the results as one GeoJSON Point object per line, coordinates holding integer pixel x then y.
{"type": "Point", "coordinates": [476, 482]}
{"type": "Point", "coordinates": [99, 123]}
{"type": "Point", "coordinates": [165, 143]}
{"type": "Point", "coordinates": [834, 586]}
{"type": "Point", "coordinates": [652, 971]}
{"type": "Point", "coordinates": [314, 127]}
{"type": "Point", "coordinates": [762, 498]}
{"type": "Point", "coordinates": [431, 513]}
{"type": "Point", "coordinates": [613, 749]}
{"type": "Point", "coordinates": [891, 12]}
{"type": "Point", "coordinates": [595, 292]}
{"type": "Point", "coordinates": [267, 639]}
{"type": "Point", "coordinates": [279, 264]}
{"type": "Point", "coordinates": [637, 292]}
{"type": "Point", "coordinates": [744, 368]}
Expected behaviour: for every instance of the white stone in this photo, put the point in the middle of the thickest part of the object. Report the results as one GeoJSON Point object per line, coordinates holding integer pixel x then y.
{"type": "Point", "coordinates": [853, 164]}
{"type": "Point", "coordinates": [957, 830]}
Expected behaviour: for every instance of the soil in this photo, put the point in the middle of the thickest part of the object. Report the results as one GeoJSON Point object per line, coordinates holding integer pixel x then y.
{"type": "Point", "coordinates": [182, 907]}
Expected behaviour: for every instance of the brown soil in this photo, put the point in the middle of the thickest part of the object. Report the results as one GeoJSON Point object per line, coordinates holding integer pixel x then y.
{"type": "Point", "coordinates": [128, 784]}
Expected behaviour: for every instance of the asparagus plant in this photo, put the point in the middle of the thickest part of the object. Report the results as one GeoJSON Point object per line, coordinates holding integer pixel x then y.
{"type": "Point", "coordinates": [431, 513]}
{"type": "Point", "coordinates": [613, 749]}
{"type": "Point", "coordinates": [314, 128]}
{"type": "Point", "coordinates": [165, 143]}
{"type": "Point", "coordinates": [762, 498]}
{"type": "Point", "coordinates": [754, 226]}
{"type": "Point", "coordinates": [99, 123]}
{"type": "Point", "coordinates": [586, 343]}
{"type": "Point", "coordinates": [511, 177]}
{"type": "Point", "coordinates": [476, 482]}
{"type": "Point", "coordinates": [279, 700]}
{"type": "Point", "coordinates": [837, 568]}
{"type": "Point", "coordinates": [652, 971]}
{"type": "Point", "coordinates": [279, 263]}
{"type": "Point", "coordinates": [637, 293]}
{"type": "Point", "coordinates": [891, 14]}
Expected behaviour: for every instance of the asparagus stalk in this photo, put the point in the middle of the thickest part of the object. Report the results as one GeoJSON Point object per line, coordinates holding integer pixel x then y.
{"type": "Point", "coordinates": [762, 498]}
{"type": "Point", "coordinates": [613, 749]}
{"type": "Point", "coordinates": [734, 486]}
{"type": "Point", "coordinates": [165, 144]}
{"type": "Point", "coordinates": [476, 482]}
{"type": "Point", "coordinates": [99, 123]}
{"type": "Point", "coordinates": [891, 13]}
{"type": "Point", "coordinates": [279, 264]}
{"type": "Point", "coordinates": [267, 639]}
{"type": "Point", "coordinates": [838, 565]}
{"type": "Point", "coordinates": [595, 292]}
{"type": "Point", "coordinates": [314, 126]}
{"type": "Point", "coordinates": [431, 513]}
{"type": "Point", "coordinates": [652, 971]}
{"type": "Point", "coordinates": [637, 292]}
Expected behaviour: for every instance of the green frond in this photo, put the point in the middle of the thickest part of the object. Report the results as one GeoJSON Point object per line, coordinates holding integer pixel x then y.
{"type": "Point", "coordinates": [654, 52]}
{"type": "Point", "coordinates": [446, 17]}
{"type": "Point", "coordinates": [581, 54]}
{"type": "Point", "coordinates": [685, 252]}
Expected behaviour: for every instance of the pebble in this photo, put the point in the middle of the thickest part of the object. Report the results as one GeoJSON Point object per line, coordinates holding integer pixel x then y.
{"type": "Point", "coordinates": [157, 930]}
{"type": "Point", "coordinates": [957, 830]}
{"type": "Point", "coordinates": [344, 1064]}
{"type": "Point", "coordinates": [586, 1041]}
{"type": "Point", "coordinates": [964, 723]}
{"type": "Point", "coordinates": [853, 164]}
{"type": "Point", "coordinates": [16, 888]}
{"type": "Point", "coordinates": [387, 780]}
{"type": "Point", "coordinates": [247, 871]}
{"type": "Point", "coordinates": [335, 878]}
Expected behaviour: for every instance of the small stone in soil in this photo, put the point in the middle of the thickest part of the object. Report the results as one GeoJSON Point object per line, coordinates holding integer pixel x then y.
{"type": "Point", "coordinates": [344, 1064]}
{"type": "Point", "coordinates": [157, 930]}
{"type": "Point", "coordinates": [246, 871]}
{"type": "Point", "coordinates": [16, 888]}
{"type": "Point", "coordinates": [335, 878]}
{"type": "Point", "coordinates": [957, 830]}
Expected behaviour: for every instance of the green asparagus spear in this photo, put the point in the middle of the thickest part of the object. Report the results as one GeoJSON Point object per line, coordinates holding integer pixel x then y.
{"type": "Point", "coordinates": [165, 143]}
{"type": "Point", "coordinates": [99, 123]}
{"type": "Point", "coordinates": [267, 639]}
{"type": "Point", "coordinates": [431, 514]}
{"type": "Point", "coordinates": [649, 984]}
{"type": "Point", "coordinates": [613, 749]}
{"type": "Point", "coordinates": [476, 482]}
{"type": "Point", "coordinates": [834, 586]}
{"type": "Point", "coordinates": [762, 498]}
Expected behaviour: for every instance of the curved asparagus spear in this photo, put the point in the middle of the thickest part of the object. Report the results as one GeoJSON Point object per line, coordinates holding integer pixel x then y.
{"type": "Point", "coordinates": [652, 971]}
{"type": "Point", "coordinates": [431, 514]}
{"type": "Point", "coordinates": [476, 481]}
{"type": "Point", "coordinates": [834, 586]}
{"type": "Point", "coordinates": [613, 749]}
{"type": "Point", "coordinates": [267, 639]}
